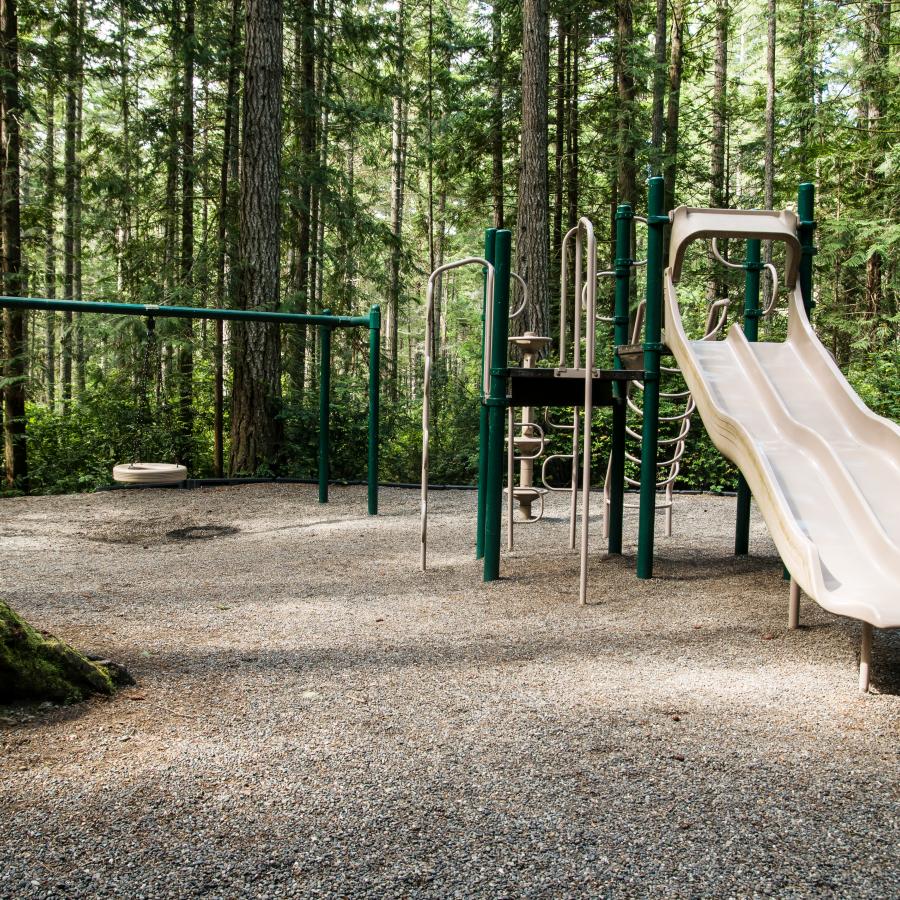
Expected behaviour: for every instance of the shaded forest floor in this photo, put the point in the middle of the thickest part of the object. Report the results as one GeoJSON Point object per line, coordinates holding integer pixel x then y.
{"type": "Point", "coordinates": [315, 717]}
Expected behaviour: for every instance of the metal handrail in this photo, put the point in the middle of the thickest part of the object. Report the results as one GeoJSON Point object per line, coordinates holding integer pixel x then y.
{"type": "Point", "coordinates": [426, 377]}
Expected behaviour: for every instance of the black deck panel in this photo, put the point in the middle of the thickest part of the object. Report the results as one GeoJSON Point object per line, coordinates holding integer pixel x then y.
{"type": "Point", "coordinates": [542, 387]}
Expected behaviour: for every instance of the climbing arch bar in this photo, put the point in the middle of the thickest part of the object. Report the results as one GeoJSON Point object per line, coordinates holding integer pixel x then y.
{"type": "Point", "coordinates": [371, 321]}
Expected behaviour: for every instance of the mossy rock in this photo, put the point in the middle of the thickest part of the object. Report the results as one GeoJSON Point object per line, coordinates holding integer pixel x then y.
{"type": "Point", "coordinates": [35, 666]}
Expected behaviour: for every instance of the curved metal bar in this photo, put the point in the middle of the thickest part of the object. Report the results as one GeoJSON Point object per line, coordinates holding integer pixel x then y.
{"type": "Point", "coordinates": [555, 425]}
{"type": "Point", "coordinates": [561, 490]}
{"type": "Point", "coordinates": [521, 282]}
{"type": "Point", "coordinates": [426, 376]}
{"type": "Point", "coordinates": [563, 293]}
{"type": "Point", "coordinates": [586, 225]}
{"type": "Point", "coordinates": [773, 274]}
{"type": "Point", "coordinates": [541, 436]}
{"type": "Point", "coordinates": [718, 256]}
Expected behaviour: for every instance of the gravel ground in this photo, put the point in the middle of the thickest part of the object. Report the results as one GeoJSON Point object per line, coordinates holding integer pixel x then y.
{"type": "Point", "coordinates": [315, 717]}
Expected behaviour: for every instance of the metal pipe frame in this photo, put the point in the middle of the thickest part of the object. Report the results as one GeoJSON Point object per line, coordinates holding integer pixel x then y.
{"type": "Point", "coordinates": [324, 321]}
{"type": "Point", "coordinates": [146, 310]}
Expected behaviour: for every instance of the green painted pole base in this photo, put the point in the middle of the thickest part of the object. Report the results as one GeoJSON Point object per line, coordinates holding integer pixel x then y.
{"type": "Point", "coordinates": [656, 222]}
{"type": "Point", "coordinates": [483, 419]}
{"type": "Point", "coordinates": [493, 513]}
{"type": "Point", "coordinates": [742, 526]}
{"type": "Point", "coordinates": [324, 409]}
{"type": "Point", "coordinates": [374, 406]}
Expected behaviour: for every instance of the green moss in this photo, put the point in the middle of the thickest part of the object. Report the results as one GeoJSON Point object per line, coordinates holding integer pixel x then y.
{"type": "Point", "coordinates": [37, 667]}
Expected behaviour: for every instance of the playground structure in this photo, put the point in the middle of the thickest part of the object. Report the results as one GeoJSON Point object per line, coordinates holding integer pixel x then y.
{"type": "Point", "coordinates": [824, 469]}
{"type": "Point", "coordinates": [160, 474]}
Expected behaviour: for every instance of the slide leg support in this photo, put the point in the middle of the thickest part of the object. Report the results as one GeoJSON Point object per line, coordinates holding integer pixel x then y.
{"type": "Point", "coordinates": [865, 657]}
{"type": "Point", "coordinates": [794, 606]}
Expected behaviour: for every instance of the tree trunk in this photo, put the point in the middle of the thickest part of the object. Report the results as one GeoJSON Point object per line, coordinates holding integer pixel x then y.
{"type": "Point", "coordinates": [559, 147]}
{"type": "Point", "coordinates": [398, 128]}
{"type": "Point", "coordinates": [673, 110]}
{"type": "Point", "coordinates": [184, 438]}
{"type": "Point", "coordinates": [572, 153]}
{"type": "Point", "coordinates": [497, 115]}
{"type": "Point", "coordinates": [769, 151]}
{"type": "Point", "coordinates": [78, 287]}
{"type": "Point", "coordinates": [35, 666]}
{"type": "Point", "coordinates": [50, 242]}
{"type": "Point", "coordinates": [226, 235]}
{"type": "Point", "coordinates": [69, 187]}
{"type": "Point", "coordinates": [659, 88]}
{"type": "Point", "coordinates": [256, 393]}
{"type": "Point", "coordinates": [877, 42]}
{"type": "Point", "coordinates": [306, 116]}
{"type": "Point", "coordinates": [627, 166]}
{"type": "Point", "coordinates": [716, 283]}
{"type": "Point", "coordinates": [15, 344]}
{"type": "Point", "coordinates": [532, 236]}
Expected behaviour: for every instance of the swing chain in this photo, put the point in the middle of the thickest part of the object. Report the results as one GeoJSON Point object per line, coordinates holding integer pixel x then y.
{"type": "Point", "coordinates": [145, 378]}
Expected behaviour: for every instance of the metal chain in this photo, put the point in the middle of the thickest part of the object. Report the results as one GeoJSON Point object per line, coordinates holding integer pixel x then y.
{"type": "Point", "coordinates": [145, 376]}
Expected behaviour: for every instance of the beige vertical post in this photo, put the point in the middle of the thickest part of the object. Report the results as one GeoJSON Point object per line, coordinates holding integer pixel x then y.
{"type": "Point", "coordinates": [865, 657]}
{"type": "Point", "coordinates": [794, 606]}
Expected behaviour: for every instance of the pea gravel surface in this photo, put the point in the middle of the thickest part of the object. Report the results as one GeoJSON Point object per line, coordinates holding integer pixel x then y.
{"type": "Point", "coordinates": [315, 717]}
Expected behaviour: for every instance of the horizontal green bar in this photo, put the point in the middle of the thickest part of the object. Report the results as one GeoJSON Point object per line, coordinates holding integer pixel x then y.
{"type": "Point", "coordinates": [181, 312]}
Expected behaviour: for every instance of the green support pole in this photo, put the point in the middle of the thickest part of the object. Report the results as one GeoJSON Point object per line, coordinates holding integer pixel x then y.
{"type": "Point", "coordinates": [656, 222]}
{"type": "Point", "coordinates": [324, 408]}
{"type": "Point", "coordinates": [496, 403]}
{"type": "Point", "coordinates": [483, 426]}
{"type": "Point", "coordinates": [752, 267]}
{"type": "Point", "coordinates": [806, 227]}
{"type": "Point", "coordinates": [623, 263]}
{"type": "Point", "coordinates": [374, 422]}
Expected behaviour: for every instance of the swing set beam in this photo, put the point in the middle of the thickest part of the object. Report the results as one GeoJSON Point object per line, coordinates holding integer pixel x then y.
{"type": "Point", "coordinates": [182, 312]}
{"type": "Point", "coordinates": [325, 322]}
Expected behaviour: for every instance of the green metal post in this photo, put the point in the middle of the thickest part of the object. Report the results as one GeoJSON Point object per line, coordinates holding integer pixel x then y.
{"type": "Point", "coordinates": [324, 407]}
{"type": "Point", "coordinates": [806, 227]}
{"type": "Point", "coordinates": [656, 222]}
{"type": "Point", "coordinates": [752, 267]}
{"type": "Point", "coordinates": [496, 402]}
{"type": "Point", "coordinates": [483, 426]}
{"type": "Point", "coordinates": [374, 422]}
{"type": "Point", "coordinates": [623, 263]}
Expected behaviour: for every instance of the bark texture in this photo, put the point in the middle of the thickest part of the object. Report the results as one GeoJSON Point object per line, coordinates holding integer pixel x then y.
{"type": "Point", "coordinates": [532, 235]}
{"type": "Point", "coordinates": [15, 347]}
{"type": "Point", "coordinates": [256, 392]}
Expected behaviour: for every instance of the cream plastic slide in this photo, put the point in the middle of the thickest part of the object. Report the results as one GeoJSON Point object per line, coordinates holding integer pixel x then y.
{"type": "Point", "coordinates": [823, 468]}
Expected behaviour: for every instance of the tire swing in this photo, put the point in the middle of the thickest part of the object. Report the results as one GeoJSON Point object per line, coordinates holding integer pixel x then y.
{"type": "Point", "coordinates": [147, 473]}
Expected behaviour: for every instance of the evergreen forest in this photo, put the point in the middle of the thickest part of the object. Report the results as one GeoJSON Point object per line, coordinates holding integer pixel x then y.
{"type": "Point", "coordinates": [310, 155]}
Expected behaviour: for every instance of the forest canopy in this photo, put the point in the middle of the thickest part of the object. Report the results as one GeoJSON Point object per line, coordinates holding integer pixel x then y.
{"type": "Point", "coordinates": [313, 155]}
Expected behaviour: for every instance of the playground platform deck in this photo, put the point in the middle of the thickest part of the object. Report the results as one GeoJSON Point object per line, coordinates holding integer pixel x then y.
{"type": "Point", "coordinates": [316, 717]}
